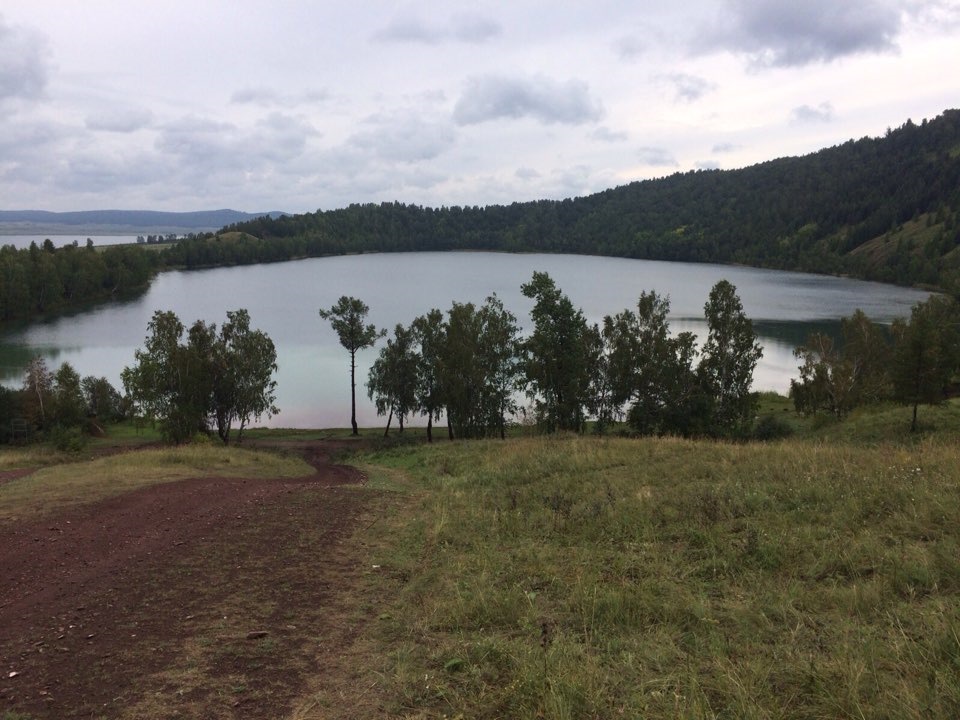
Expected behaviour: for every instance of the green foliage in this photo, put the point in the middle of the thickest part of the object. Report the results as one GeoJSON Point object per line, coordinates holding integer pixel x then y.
{"type": "Point", "coordinates": [37, 394]}
{"type": "Point", "coordinates": [836, 211]}
{"type": "Point", "coordinates": [185, 386]}
{"type": "Point", "coordinates": [836, 380]}
{"type": "Point", "coordinates": [69, 405]}
{"type": "Point", "coordinates": [926, 353]}
{"type": "Point", "coordinates": [347, 319]}
{"type": "Point", "coordinates": [561, 354]}
{"type": "Point", "coordinates": [244, 362]}
{"type": "Point", "coordinates": [102, 399]}
{"type": "Point", "coordinates": [393, 380]}
{"type": "Point", "coordinates": [43, 279]}
{"type": "Point", "coordinates": [650, 369]}
{"type": "Point", "coordinates": [69, 439]}
{"type": "Point", "coordinates": [727, 360]}
{"type": "Point", "coordinates": [668, 578]}
{"type": "Point", "coordinates": [479, 368]}
{"type": "Point", "coordinates": [430, 334]}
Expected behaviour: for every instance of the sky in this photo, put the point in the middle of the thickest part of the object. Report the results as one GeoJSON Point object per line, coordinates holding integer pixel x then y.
{"type": "Point", "coordinates": [295, 105]}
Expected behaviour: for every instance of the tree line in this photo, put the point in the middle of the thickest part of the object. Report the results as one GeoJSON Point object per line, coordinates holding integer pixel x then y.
{"type": "Point", "coordinates": [915, 362]}
{"type": "Point", "coordinates": [885, 209]}
{"type": "Point", "coordinates": [186, 381]}
{"type": "Point", "coordinates": [43, 279]}
{"type": "Point", "coordinates": [472, 365]}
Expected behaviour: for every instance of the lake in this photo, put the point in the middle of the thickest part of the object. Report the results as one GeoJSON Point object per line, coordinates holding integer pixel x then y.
{"type": "Point", "coordinates": [313, 379]}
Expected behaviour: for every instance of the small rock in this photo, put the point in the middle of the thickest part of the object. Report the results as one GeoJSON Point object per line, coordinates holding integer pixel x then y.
{"type": "Point", "coordinates": [257, 634]}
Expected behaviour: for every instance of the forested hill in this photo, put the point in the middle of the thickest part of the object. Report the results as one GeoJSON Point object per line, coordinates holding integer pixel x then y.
{"type": "Point", "coordinates": [880, 208]}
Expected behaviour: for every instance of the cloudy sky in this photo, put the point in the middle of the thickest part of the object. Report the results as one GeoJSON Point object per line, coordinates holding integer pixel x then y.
{"type": "Point", "coordinates": [297, 105]}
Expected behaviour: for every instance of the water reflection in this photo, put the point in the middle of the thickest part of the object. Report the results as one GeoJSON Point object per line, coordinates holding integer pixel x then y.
{"type": "Point", "coordinates": [313, 381]}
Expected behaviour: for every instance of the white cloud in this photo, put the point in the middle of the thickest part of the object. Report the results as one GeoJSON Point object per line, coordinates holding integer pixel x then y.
{"type": "Point", "coordinates": [404, 137]}
{"type": "Point", "coordinates": [689, 88]}
{"type": "Point", "coordinates": [491, 97]}
{"type": "Point", "coordinates": [474, 28]}
{"type": "Point", "coordinates": [24, 58]}
{"type": "Point", "coordinates": [605, 134]}
{"type": "Point", "coordinates": [461, 28]}
{"type": "Point", "coordinates": [776, 33]}
{"type": "Point", "coordinates": [659, 157]}
{"type": "Point", "coordinates": [630, 47]}
{"type": "Point", "coordinates": [725, 147]}
{"type": "Point", "coordinates": [269, 97]}
{"type": "Point", "coordinates": [807, 113]}
{"type": "Point", "coordinates": [119, 120]}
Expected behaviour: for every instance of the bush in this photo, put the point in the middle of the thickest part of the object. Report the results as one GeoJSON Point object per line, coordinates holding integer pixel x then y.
{"type": "Point", "coordinates": [68, 439]}
{"type": "Point", "coordinates": [771, 427]}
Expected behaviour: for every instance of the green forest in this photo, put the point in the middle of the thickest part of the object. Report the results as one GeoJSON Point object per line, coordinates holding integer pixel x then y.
{"type": "Point", "coordinates": [885, 209]}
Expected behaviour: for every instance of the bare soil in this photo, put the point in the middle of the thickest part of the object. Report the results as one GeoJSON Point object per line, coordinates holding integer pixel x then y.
{"type": "Point", "coordinates": [203, 598]}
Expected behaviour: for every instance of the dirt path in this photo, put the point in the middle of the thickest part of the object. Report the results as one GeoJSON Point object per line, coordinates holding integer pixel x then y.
{"type": "Point", "coordinates": [198, 598]}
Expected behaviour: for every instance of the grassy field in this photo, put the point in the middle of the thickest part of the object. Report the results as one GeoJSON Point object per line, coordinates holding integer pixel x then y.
{"type": "Point", "coordinates": [585, 578]}
{"type": "Point", "coordinates": [78, 482]}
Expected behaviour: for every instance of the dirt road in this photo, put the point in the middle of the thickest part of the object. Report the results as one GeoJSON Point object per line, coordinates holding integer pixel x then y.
{"type": "Point", "coordinates": [199, 598]}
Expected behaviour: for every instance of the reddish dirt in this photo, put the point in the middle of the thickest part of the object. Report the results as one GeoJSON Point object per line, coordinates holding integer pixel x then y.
{"type": "Point", "coordinates": [98, 603]}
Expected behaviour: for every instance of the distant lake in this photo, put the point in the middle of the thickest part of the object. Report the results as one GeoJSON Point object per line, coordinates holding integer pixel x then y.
{"type": "Point", "coordinates": [313, 380]}
{"type": "Point", "coordinates": [23, 241]}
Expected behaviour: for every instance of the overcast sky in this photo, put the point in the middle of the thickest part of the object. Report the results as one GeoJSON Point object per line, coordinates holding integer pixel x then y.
{"type": "Point", "coordinates": [295, 105]}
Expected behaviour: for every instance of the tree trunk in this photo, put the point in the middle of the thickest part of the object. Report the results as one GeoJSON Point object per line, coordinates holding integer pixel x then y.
{"type": "Point", "coordinates": [386, 430]}
{"type": "Point", "coordinates": [353, 392]}
{"type": "Point", "coordinates": [913, 425]}
{"type": "Point", "coordinates": [400, 418]}
{"type": "Point", "coordinates": [430, 428]}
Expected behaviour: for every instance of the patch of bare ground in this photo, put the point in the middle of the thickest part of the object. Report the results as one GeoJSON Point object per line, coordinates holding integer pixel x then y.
{"type": "Point", "coordinates": [205, 598]}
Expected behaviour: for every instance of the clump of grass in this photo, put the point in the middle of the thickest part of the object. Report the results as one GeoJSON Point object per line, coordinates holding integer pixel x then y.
{"type": "Point", "coordinates": [544, 578]}
{"type": "Point", "coordinates": [73, 483]}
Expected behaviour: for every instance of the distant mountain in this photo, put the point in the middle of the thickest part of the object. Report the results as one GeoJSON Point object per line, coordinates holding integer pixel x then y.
{"type": "Point", "coordinates": [884, 208]}
{"type": "Point", "coordinates": [25, 222]}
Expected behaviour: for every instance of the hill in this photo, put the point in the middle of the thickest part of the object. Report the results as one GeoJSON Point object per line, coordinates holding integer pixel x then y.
{"type": "Point", "coordinates": [884, 208]}
{"type": "Point", "coordinates": [120, 221]}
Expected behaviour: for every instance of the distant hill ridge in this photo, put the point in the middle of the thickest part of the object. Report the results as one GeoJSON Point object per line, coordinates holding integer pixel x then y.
{"type": "Point", "coordinates": [885, 208]}
{"type": "Point", "coordinates": [23, 221]}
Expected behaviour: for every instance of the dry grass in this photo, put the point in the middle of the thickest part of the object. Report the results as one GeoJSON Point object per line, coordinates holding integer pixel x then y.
{"type": "Point", "coordinates": [581, 578]}
{"type": "Point", "coordinates": [75, 483]}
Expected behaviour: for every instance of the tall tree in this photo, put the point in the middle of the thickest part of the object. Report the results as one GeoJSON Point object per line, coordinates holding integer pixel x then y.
{"type": "Point", "coordinates": [244, 387]}
{"type": "Point", "coordinates": [926, 353]}
{"type": "Point", "coordinates": [430, 333]}
{"type": "Point", "coordinates": [838, 379]}
{"type": "Point", "coordinates": [665, 389]}
{"type": "Point", "coordinates": [38, 393]}
{"type": "Point", "coordinates": [558, 357]}
{"type": "Point", "coordinates": [170, 382]}
{"type": "Point", "coordinates": [463, 373]}
{"type": "Point", "coordinates": [347, 319]}
{"type": "Point", "coordinates": [500, 358]}
{"type": "Point", "coordinates": [727, 361]}
{"type": "Point", "coordinates": [393, 380]}
{"type": "Point", "coordinates": [68, 401]}
{"type": "Point", "coordinates": [220, 378]}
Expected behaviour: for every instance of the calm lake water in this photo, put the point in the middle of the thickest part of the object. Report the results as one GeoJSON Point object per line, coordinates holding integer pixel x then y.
{"type": "Point", "coordinates": [313, 379]}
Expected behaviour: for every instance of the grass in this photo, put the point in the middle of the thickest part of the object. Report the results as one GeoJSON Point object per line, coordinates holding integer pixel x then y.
{"type": "Point", "coordinates": [579, 577]}
{"type": "Point", "coordinates": [73, 483]}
